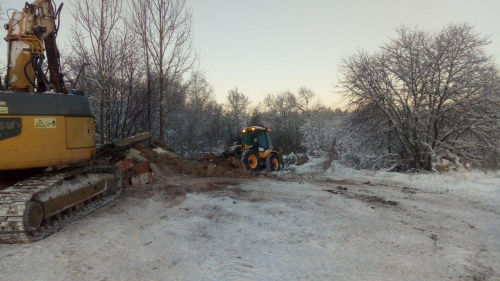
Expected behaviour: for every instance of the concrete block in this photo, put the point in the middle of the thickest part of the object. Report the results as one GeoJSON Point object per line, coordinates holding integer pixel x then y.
{"type": "Point", "coordinates": [136, 154]}
{"type": "Point", "coordinates": [143, 178]}
{"type": "Point", "coordinates": [155, 169]}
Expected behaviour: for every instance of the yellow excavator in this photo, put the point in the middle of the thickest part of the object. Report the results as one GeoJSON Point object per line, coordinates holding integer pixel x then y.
{"type": "Point", "coordinates": [41, 126]}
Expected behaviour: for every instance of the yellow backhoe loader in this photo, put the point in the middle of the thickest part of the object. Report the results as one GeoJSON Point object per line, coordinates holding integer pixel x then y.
{"type": "Point", "coordinates": [258, 149]}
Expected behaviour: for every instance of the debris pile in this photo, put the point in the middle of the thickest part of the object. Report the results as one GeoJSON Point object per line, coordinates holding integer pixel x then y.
{"type": "Point", "coordinates": [211, 165]}
{"type": "Point", "coordinates": [143, 165]}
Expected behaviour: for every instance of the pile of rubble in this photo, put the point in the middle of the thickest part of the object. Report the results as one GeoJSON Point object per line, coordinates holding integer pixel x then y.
{"type": "Point", "coordinates": [143, 165]}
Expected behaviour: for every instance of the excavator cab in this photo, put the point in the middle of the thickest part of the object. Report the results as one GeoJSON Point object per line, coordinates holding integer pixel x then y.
{"type": "Point", "coordinates": [258, 149]}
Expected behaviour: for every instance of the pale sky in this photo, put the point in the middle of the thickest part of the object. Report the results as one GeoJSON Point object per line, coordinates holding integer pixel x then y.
{"type": "Point", "coordinates": [269, 46]}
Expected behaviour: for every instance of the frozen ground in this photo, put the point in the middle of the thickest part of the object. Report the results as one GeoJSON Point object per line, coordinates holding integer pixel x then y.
{"type": "Point", "coordinates": [341, 224]}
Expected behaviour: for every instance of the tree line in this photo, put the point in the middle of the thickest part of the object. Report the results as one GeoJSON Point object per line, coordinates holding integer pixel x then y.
{"type": "Point", "coordinates": [137, 63]}
{"type": "Point", "coordinates": [423, 99]}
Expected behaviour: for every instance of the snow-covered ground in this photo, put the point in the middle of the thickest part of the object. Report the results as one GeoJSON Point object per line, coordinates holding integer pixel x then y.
{"type": "Point", "coordinates": [473, 184]}
{"type": "Point", "coordinates": [341, 224]}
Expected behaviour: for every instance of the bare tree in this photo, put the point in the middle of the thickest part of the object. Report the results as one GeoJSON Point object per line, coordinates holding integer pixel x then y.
{"type": "Point", "coordinates": [126, 95]}
{"type": "Point", "coordinates": [197, 115]}
{"type": "Point", "coordinates": [165, 27]}
{"type": "Point", "coordinates": [139, 23]}
{"type": "Point", "coordinates": [285, 120]}
{"type": "Point", "coordinates": [255, 115]}
{"type": "Point", "coordinates": [305, 97]}
{"type": "Point", "coordinates": [321, 127]}
{"type": "Point", "coordinates": [196, 127]}
{"type": "Point", "coordinates": [236, 112]}
{"type": "Point", "coordinates": [97, 39]}
{"type": "Point", "coordinates": [434, 91]}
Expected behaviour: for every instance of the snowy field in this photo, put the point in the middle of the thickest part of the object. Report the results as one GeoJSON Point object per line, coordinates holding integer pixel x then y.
{"type": "Point", "coordinates": [341, 224]}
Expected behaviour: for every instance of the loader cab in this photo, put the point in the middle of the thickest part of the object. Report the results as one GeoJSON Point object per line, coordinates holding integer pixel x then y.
{"type": "Point", "coordinates": [257, 137]}
{"type": "Point", "coordinates": [258, 149]}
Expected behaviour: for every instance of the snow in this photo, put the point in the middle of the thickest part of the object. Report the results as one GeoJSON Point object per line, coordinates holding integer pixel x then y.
{"type": "Point", "coordinates": [159, 150]}
{"type": "Point", "coordinates": [299, 225]}
{"type": "Point", "coordinates": [473, 183]}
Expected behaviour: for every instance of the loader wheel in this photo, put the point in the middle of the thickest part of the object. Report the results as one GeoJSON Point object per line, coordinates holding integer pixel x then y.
{"type": "Point", "coordinates": [272, 163]}
{"type": "Point", "coordinates": [250, 159]}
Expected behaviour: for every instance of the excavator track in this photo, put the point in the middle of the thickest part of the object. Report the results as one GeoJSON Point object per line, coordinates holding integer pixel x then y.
{"type": "Point", "coordinates": [24, 206]}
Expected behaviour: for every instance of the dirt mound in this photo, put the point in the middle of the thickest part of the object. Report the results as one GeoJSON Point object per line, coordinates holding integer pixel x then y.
{"type": "Point", "coordinates": [211, 165]}
{"type": "Point", "coordinates": [340, 190]}
{"type": "Point", "coordinates": [146, 164]}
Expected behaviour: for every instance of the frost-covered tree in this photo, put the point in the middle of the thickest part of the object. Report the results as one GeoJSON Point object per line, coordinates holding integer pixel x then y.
{"type": "Point", "coordinates": [199, 96]}
{"type": "Point", "coordinates": [197, 127]}
{"type": "Point", "coordinates": [236, 112]}
{"type": "Point", "coordinates": [165, 28]}
{"type": "Point", "coordinates": [99, 39]}
{"type": "Point", "coordinates": [305, 97]}
{"type": "Point", "coordinates": [434, 92]}
{"type": "Point", "coordinates": [255, 116]}
{"type": "Point", "coordinates": [322, 128]}
{"type": "Point", "coordinates": [285, 120]}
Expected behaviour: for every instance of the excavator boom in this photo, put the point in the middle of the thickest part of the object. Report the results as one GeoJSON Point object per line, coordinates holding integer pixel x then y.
{"type": "Point", "coordinates": [32, 39]}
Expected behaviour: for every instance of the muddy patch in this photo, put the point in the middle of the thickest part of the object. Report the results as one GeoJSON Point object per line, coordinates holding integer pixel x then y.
{"type": "Point", "coordinates": [177, 187]}
{"type": "Point", "coordinates": [480, 273]}
{"type": "Point", "coordinates": [374, 200]}
{"type": "Point", "coordinates": [249, 196]}
{"type": "Point", "coordinates": [409, 190]}
{"type": "Point", "coordinates": [339, 181]}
